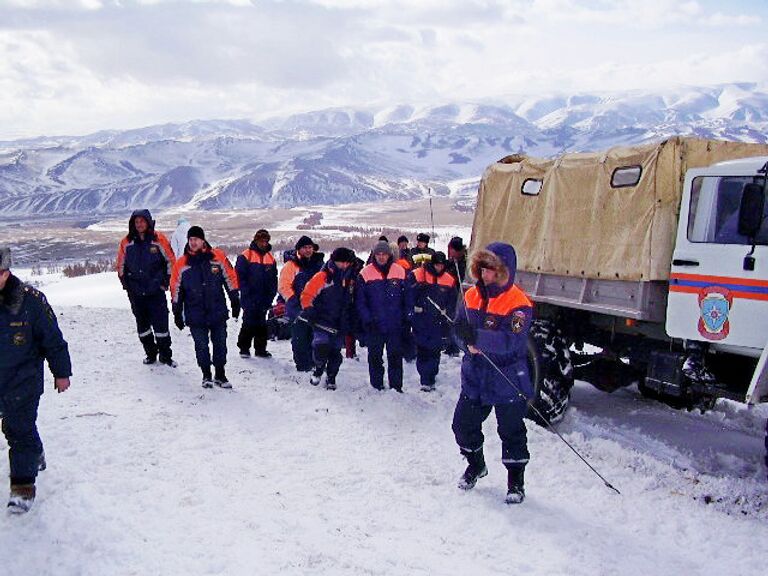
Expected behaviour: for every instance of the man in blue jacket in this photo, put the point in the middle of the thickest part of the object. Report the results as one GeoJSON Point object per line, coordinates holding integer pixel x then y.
{"type": "Point", "coordinates": [430, 296]}
{"type": "Point", "coordinates": [200, 279]}
{"type": "Point", "coordinates": [257, 275]}
{"type": "Point", "coordinates": [494, 320]}
{"type": "Point", "coordinates": [327, 306]}
{"type": "Point", "coordinates": [380, 305]}
{"type": "Point", "coordinates": [29, 333]}
{"type": "Point", "coordinates": [144, 263]}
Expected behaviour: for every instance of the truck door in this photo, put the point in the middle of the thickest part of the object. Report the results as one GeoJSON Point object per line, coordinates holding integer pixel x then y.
{"type": "Point", "coordinates": [712, 297]}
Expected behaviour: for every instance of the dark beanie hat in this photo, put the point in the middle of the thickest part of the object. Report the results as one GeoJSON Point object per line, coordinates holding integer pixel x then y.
{"type": "Point", "coordinates": [439, 258]}
{"type": "Point", "coordinates": [261, 235]}
{"type": "Point", "coordinates": [305, 241]}
{"type": "Point", "coordinates": [422, 237]}
{"type": "Point", "coordinates": [195, 232]}
{"type": "Point", "coordinates": [343, 255]}
{"type": "Point", "coordinates": [382, 248]}
{"type": "Point", "coordinates": [402, 239]}
{"type": "Point", "coordinates": [456, 243]}
{"type": "Point", "coordinates": [383, 238]}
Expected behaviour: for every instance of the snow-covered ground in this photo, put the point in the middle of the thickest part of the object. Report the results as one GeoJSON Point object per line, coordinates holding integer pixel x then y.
{"type": "Point", "coordinates": [150, 474]}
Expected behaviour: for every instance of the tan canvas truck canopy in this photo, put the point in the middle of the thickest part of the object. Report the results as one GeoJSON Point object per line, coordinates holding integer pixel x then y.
{"type": "Point", "coordinates": [579, 224]}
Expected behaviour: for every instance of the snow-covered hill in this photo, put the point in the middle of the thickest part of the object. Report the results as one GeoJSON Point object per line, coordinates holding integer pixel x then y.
{"type": "Point", "coordinates": [348, 155]}
{"type": "Point", "coordinates": [150, 474]}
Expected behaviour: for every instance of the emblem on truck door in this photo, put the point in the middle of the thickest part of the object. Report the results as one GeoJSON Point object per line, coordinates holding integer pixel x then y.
{"type": "Point", "coordinates": [715, 303]}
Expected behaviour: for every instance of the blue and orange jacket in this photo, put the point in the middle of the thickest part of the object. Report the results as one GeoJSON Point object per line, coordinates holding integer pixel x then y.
{"type": "Point", "coordinates": [429, 325]}
{"type": "Point", "coordinates": [29, 333]}
{"type": "Point", "coordinates": [502, 316]}
{"type": "Point", "coordinates": [328, 298]}
{"type": "Point", "coordinates": [293, 277]}
{"type": "Point", "coordinates": [198, 284]}
{"type": "Point", "coordinates": [380, 298]}
{"type": "Point", "coordinates": [257, 275]}
{"type": "Point", "coordinates": [144, 265]}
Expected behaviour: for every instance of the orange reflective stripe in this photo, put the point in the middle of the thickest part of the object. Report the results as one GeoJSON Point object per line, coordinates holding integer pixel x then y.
{"type": "Point", "coordinates": [502, 305]}
{"type": "Point", "coordinates": [285, 284]}
{"type": "Point", "coordinates": [420, 274]}
{"type": "Point", "coordinates": [404, 263]}
{"type": "Point", "coordinates": [370, 273]}
{"type": "Point", "coordinates": [446, 280]}
{"type": "Point", "coordinates": [166, 250]}
{"type": "Point", "coordinates": [178, 269]}
{"type": "Point", "coordinates": [120, 263]}
{"type": "Point", "coordinates": [313, 288]}
{"type": "Point", "coordinates": [255, 257]}
{"type": "Point", "coordinates": [230, 276]}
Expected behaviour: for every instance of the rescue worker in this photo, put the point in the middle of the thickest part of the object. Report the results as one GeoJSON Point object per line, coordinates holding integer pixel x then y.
{"type": "Point", "coordinates": [200, 278]}
{"type": "Point", "coordinates": [456, 267]}
{"type": "Point", "coordinates": [457, 258]}
{"type": "Point", "coordinates": [257, 276]}
{"type": "Point", "coordinates": [297, 271]}
{"type": "Point", "coordinates": [29, 333]}
{"type": "Point", "coordinates": [495, 319]}
{"type": "Point", "coordinates": [430, 299]}
{"type": "Point", "coordinates": [380, 305]}
{"type": "Point", "coordinates": [179, 237]}
{"type": "Point", "coordinates": [326, 303]}
{"type": "Point", "coordinates": [144, 263]}
{"type": "Point", "coordinates": [404, 252]}
{"type": "Point", "coordinates": [422, 252]}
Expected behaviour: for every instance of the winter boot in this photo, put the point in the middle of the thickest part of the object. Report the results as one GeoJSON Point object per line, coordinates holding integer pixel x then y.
{"type": "Point", "coordinates": [314, 379]}
{"type": "Point", "coordinates": [207, 379]}
{"type": "Point", "coordinates": [330, 383]}
{"type": "Point", "coordinates": [515, 485]}
{"type": "Point", "coordinates": [262, 354]}
{"type": "Point", "coordinates": [220, 379]}
{"type": "Point", "coordinates": [21, 499]}
{"type": "Point", "coordinates": [168, 361]}
{"type": "Point", "coordinates": [41, 464]}
{"type": "Point", "coordinates": [476, 469]}
{"type": "Point", "coordinates": [150, 348]}
{"type": "Point", "coordinates": [245, 353]}
{"type": "Point", "coordinates": [428, 387]}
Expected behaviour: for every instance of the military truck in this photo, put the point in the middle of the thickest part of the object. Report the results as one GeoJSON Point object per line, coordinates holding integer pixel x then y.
{"type": "Point", "coordinates": [646, 264]}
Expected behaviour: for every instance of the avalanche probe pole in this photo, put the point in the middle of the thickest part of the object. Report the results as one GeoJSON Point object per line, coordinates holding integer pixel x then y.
{"type": "Point", "coordinates": [431, 213]}
{"type": "Point", "coordinates": [519, 393]}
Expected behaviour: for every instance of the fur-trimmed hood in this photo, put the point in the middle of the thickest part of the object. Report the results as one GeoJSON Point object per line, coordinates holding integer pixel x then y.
{"type": "Point", "coordinates": [498, 255]}
{"type": "Point", "coordinates": [143, 213]}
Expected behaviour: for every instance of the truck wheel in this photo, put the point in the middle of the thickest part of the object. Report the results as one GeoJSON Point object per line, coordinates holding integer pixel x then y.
{"type": "Point", "coordinates": [549, 362]}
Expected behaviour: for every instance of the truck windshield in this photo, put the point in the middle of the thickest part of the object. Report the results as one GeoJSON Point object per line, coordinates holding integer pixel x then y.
{"type": "Point", "coordinates": [714, 211]}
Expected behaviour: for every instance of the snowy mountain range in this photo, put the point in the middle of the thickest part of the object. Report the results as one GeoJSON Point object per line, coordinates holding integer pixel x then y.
{"type": "Point", "coordinates": [350, 154]}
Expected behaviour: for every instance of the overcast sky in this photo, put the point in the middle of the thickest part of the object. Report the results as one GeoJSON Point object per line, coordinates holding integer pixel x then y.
{"type": "Point", "coordinates": [77, 66]}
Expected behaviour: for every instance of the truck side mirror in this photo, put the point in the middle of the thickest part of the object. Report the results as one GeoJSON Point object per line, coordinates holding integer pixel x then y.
{"type": "Point", "coordinates": [751, 210]}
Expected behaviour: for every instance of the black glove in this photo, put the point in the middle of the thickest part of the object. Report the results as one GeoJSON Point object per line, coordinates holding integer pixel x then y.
{"type": "Point", "coordinates": [467, 334]}
{"type": "Point", "coordinates": [309, 314]}
{"type": "Point", "coordinates": [178, 319]}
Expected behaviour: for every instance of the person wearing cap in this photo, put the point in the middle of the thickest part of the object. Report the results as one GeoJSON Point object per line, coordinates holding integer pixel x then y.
{"type": "Point", "coordinates": [380, 305]}
{"type": "Point", "coordinates": [297, 271]}
{"type": "Point", "coordinates": [179, 237]}
{"type": "Point", "coordinates": [430, 298]}
{"type": "Point", "coordinates": [422, 252]}
{"type": "Point", "coordinates": [257, 275]}
{"type": "Point", "coordinates": [457, 258]}
{"type": "Point", "coordinates": [29, 334]}
{"type": "Point", "coordinates": [493, 322]}
{"type": "Point", "coordinates": [456, 266]}
{"type": "Point", "coordinates": [326, 303]}
{"type": "Point", "coordinates": [198, 283]}
{"type": "Point", "coordinates": [404, 258]}
{"type": "Point", "coordinates": [144, 263]}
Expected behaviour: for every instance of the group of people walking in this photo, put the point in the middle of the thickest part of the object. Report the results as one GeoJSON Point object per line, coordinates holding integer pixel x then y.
{"type": "Point", "coordinates": [407, 303]}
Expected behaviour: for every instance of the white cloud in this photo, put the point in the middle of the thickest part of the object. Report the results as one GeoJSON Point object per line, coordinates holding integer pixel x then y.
{"type": "Point", "coordinates": [83, 65]}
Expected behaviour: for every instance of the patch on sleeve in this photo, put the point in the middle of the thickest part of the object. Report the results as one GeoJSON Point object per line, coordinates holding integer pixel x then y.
{"type": "Point", "coordinates": [518, 321]}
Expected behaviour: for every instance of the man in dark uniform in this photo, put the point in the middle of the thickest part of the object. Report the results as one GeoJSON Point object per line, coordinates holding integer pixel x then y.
{"type": "Point", "coordinates": [29, 333]}
{"type": "Point", "coordinates": [144, 263]}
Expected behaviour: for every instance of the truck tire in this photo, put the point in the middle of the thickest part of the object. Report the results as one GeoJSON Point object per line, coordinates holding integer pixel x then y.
{"type": "Point", "coordinates": [549, 362]}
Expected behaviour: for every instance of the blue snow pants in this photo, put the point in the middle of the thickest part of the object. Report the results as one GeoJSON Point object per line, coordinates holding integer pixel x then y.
{"type": "Point", "coordinates": [25, 447]}
{"type": "Point", "coordinates": [427, 364]}
{"type": "Point", "coordinates": [301, 345]}
{"type": "Point", "coordinates": [468, 418]}
{"type": "Point", "coordinates": [218, 338]}
{"type": "Point", "coordinates": [326, 351]}
{"type": "Point", "coordinates": [376, 343]}
{"type": "Point", "coordinates": [151, 313]}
